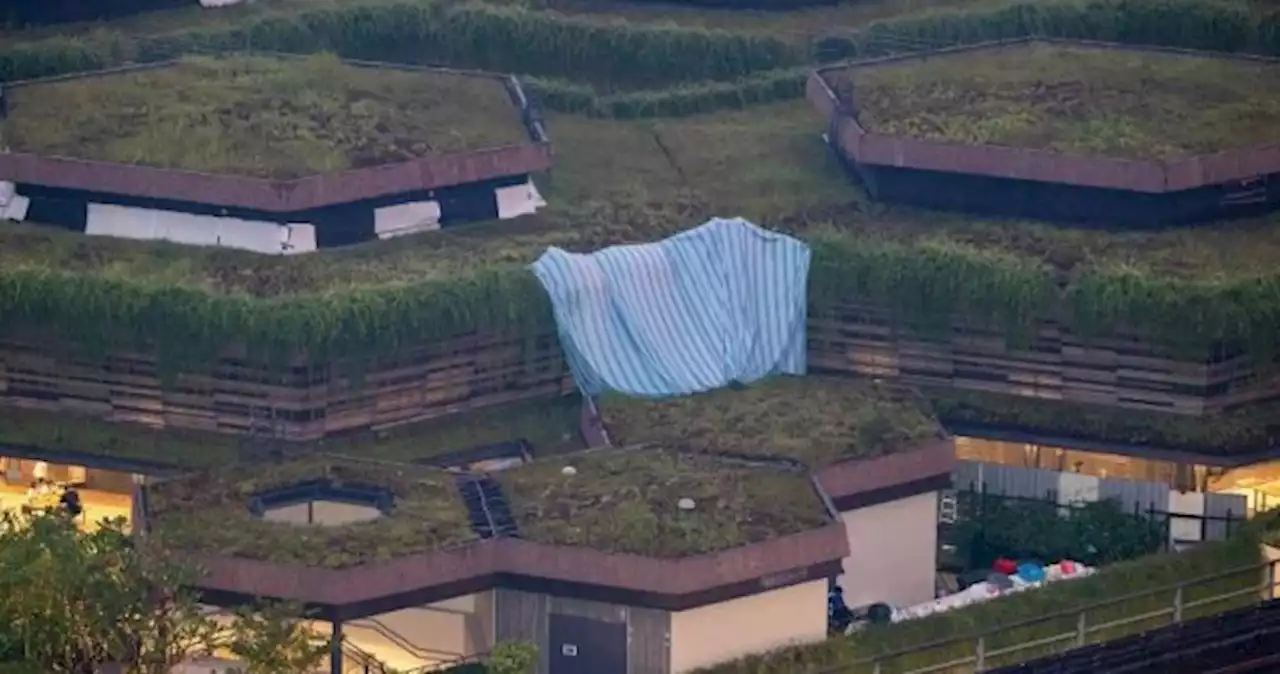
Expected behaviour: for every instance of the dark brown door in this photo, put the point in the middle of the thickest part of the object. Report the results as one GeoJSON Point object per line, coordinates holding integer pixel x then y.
{"type": "Point", "coordinates": [586, 646]}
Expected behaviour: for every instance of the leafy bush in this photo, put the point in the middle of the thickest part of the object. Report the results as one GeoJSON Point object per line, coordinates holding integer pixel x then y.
{"type": "Point", "coordinates": [1100, 533]}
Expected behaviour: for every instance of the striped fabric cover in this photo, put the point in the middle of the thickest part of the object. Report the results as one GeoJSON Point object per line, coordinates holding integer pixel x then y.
{"type": "Point", "coordinates": [719, 303]}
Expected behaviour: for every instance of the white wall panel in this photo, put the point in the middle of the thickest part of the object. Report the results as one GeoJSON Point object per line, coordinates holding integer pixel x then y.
{"type": "Point", "coordinates": [148, 224]}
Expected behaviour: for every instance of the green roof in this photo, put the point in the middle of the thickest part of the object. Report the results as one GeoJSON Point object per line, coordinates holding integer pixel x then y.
{"type": "Point", "coordinates": [815, 420]}
{"type": "Point", "coordinates": [628, 501]}
{"type": "Point", "coordinates": [1095, 100]}
{"type": "Point", "coordinates": [268, 117]}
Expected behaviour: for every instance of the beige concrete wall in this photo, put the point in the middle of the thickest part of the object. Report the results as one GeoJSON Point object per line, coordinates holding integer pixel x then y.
{"type": "Point", "coordinates": [1271, 574]}
{"type": "Point", "coordinates": [893, 552]}
{"type": "Point", "coordinates": [719, 632]}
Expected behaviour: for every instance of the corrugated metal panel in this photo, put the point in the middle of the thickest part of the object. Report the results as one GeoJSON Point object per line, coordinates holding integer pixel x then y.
{"type": "Point", "coordinates": [967, 476]}
{"type": "Point", "coordinates": [1022, 482]}
{"type": "Point", "coordinates": [1015, 481]}
{"type": "Point", "coordinates": [1222, 506]}
{"type": "Point", "coordinates": [1136, 496]}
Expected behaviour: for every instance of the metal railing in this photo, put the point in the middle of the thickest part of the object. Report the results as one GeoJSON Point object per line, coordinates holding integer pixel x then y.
{"type": "Point", "coordinates": [979, 655]}
{"type": "Point", "coordinates": [402, 642]}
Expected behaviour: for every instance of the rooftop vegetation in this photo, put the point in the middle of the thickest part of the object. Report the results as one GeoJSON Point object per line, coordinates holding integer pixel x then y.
{"type": "Point", "coordinates": [628, 501]}
{"type": "Point", "coordinates": [265, 117]}
{"type": "Point", "coordinates": [1133, 103]}
{"type": "Point", "coordinates": [813, 420]}
{"type": "Point", "coordinates": [208, 513]}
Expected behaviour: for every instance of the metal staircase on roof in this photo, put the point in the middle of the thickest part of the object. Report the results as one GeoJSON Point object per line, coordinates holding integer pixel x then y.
{"type": "Point", "coordinates": [487, 506]}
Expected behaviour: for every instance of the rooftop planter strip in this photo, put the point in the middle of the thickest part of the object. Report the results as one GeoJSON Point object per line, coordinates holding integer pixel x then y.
{"type": "Point", "coordinates": [865, 444]}
{"type": "Point", "coordinates": [1137, 175]}
{"type": "Point", "coordinates": [428, 540]}
{"type": "Point", "coordinates": [286, 195]}
{"type": "Point", "coordinates": [928, 284]}
{"type": "Point", "coordinates": [669, 583]}
{"type": "Point", "coordinates": [191, 324]}
{"type": "Point", "coordinates": [772, 564]}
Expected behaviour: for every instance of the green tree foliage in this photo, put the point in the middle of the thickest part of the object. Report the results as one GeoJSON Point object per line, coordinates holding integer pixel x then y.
{"type": "Point", "coordinates": [513, 658]}
{"type": "Point", "coordinates": [1096, 533]}
{"type": "Point", "coordinates": [75, 601]}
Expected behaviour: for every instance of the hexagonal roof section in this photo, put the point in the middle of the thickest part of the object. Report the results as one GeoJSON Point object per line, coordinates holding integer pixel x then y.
{"type": "Point", "coordinates": [660, 503]}
{"type": "Point", "coordinates": [233, 511]}
{"type": "Point", "coordinates": [1086, 113]}
{"type": "Point", "coordinates": [272, 133]}
{"type": "Point", "coordinates": [857, 435]}
{"type": "Point", "coordinates": [664, 527]}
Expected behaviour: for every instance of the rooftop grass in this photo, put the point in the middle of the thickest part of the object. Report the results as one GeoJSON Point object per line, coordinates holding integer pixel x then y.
{"type": "Point", "coordinates": [278, 118]}
{"type": "Point", "coordinates": [631, 181]}
{"type": "Point", "coordinates": [207, 513]}
{"type": "Point", "coordinates": [549, 425]}
{"type": "Point", "coordinates": [1072, 99]}
{"type": "Point", "coordinates": [626, 501]}
{"type": "Point", "coordinates": [811, 419]}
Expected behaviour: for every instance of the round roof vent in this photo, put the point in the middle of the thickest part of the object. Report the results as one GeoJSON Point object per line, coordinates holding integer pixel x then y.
{"type": "Point", "coordinates": [686, 504]}
{"type": "Point", "coordinates": [568, 470]}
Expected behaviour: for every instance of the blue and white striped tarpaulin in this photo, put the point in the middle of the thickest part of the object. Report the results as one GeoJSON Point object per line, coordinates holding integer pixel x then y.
{"type": "Point", "coordinates": [719, 303]}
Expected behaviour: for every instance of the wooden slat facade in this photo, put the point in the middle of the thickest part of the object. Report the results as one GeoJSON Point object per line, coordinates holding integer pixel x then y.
{"type": "Point", "coordinates": [307, 402]}
{"type": "Point", "coordinates": [443, 378]}
{"type": "Point", "coordinates": [1055, 364]}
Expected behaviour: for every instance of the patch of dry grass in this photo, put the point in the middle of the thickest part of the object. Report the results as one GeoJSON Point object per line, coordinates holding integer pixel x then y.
{"type": "Point", "coordinates": [625, 501]}
{"type": "Point", "coordinates": [1072, 99]}
{"type": "Point", "coordinates": [208, 513]}
{"type": "Point", "coordinates": [274, 118]}
{"type": "Point", "coordinates": [811, 419]}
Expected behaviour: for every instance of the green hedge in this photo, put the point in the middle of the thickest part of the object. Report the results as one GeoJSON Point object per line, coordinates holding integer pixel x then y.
{"type": "Point", "coordinates": [187, 326]}
{"type": "Point", "coordinates": [994, 618]}
{"type": "Point", "coordinates": [927, 282]}
{"type": "Point", "coordinates": [1186, 24]}
{"type": "Point", "coordinates": [1249, 430]}
{"type": "Point", "coordinates": [772, 5]}
{"type": "Point", "coordinates": [476, 36]}
{"type": "Point", "coordinates": [930, 281]}
{"type": "Point", "coordinates": [1101, 533]}
{"type": "Point", "coordinates": [678, 101]}
{"type": "Point", "coordinates": [694, 70]}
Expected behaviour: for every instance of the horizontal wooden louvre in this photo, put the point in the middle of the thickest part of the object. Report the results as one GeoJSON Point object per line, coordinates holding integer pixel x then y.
{"type": "Point", "coordinates": [1054, 365]}
{"type": "Point", "coordinates": [307, 402]}
{"type": "Point", "coordinates": [443, 378]}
